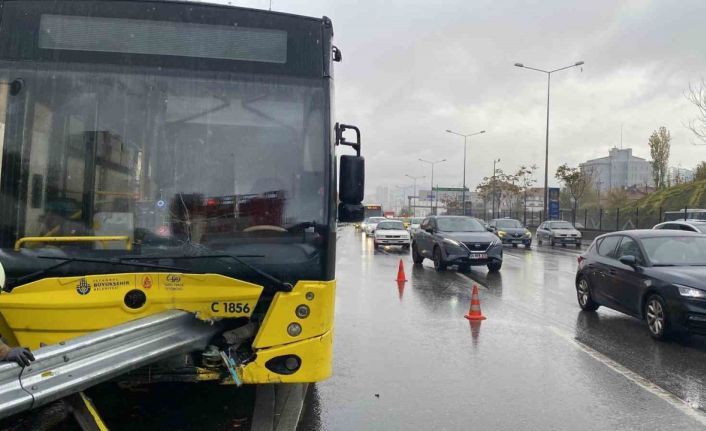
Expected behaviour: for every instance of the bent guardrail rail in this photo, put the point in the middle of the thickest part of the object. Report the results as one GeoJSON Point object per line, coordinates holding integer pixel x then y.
{"type": "Point", "coordinates": [72, 366]}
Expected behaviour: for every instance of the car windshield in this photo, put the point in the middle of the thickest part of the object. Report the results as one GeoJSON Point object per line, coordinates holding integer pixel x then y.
{"type": "Point", "coordinates": [560, 225]}
{"type": "Point", "coordinates": [676, 250]}
{"type": "Point", "coordinates": [459, 224]}
{"type": "Point", "coordinates": [416, 220]}
{"type": "Point", "coordinates": [390, 225]}
{"type": "Point", "coordinates": [700, 226]}
{"type": "Point", "coordinates": [376, 219]}
{"type": "Point", "coordinates": [508, 224]}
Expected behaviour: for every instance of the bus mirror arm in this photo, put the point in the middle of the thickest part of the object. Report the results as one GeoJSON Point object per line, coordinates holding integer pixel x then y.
{"type": "Point", "coordinates": [341, 140]}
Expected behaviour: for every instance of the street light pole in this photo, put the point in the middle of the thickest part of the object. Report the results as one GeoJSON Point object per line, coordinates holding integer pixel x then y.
{"type": "Point", "coordinates": [465, 137]}
{"type": "Point", "coordinates": [414, 209]}
{"type": "Point", "coordinates": [546, 149]}
{"type": "Point", "coordinates": [431, 200]}
{"type": "Point", "coordinates": [494, 170]}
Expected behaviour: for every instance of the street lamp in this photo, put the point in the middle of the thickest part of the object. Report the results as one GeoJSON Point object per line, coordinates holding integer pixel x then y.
{"type": "Point", "coordinates": [414, 208]}
{"type": "Point", "coordinates": [431, 200]}
{"type": "Point", "coordinates": [546, 150]}
{"type": "Point", "coordinates": [494, 171]}
{"type": "Point", "coordinates": [465, 138]}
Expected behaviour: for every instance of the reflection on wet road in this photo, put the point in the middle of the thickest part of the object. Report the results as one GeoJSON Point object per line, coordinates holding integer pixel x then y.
{"type": "Point", "coordinates": [405, 358]}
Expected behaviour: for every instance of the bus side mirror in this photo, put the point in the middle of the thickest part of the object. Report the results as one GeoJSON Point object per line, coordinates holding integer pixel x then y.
{"type": "Point", "coordinates": [351, 187]}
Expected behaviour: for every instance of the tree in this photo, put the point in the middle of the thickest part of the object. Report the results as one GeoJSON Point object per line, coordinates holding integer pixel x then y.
{"type": "Point", "coordinates": [697, 95]}
{"type": "Point", "coordinates": [616, 198]}
{"type": "Point", "coordinates": [659, 143]}
{"type": "Point", "coordinates": [525, 178]}
{"type": "Point", "coordinates": [576, 181]}
{"type": "Point", "coordinates": [503, 186]}
{"type": "Point", "coordinates": [700, 172]}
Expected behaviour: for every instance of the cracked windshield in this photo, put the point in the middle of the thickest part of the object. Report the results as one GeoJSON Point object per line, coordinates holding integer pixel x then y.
{"type": "Point", "coordinates": [327, 215]}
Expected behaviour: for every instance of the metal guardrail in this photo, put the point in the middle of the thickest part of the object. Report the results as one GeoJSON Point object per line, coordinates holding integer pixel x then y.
{"type": "Point", "coordinates": [66, 368]}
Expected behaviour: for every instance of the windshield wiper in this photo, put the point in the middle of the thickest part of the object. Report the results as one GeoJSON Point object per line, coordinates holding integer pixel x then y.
{"type": "Point", "coordinates": [67, 260]}
{"type": "Point", "coordinates": [282, 285]}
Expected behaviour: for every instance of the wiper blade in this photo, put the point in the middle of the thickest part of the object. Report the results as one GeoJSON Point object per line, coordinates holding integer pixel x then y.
{"type": "Point", "coordinates": [283, 286]}
{"type": "Point", "coordinates": [67, 260]}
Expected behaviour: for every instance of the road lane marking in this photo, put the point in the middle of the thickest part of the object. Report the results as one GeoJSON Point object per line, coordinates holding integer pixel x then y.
{"type": "Point", "coordinates": [676, 402]}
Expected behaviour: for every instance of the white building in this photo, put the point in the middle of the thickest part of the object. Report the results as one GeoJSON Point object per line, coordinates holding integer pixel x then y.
{"type": "Point", "coordinates": [679, 175]}
{"type": "Point", "coordinates": [619, 170]}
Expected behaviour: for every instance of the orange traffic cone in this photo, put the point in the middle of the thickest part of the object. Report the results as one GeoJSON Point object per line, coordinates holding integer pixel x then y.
{"type": "Point", "coordinates": [400, 272]}
{"type": "Point", "coordinates": [474, 313]}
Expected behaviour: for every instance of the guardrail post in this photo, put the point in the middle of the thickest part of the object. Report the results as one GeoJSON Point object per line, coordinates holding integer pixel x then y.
{"type": "Point", "coordinates": [600, 219]}
{"type": "Point", "coordinates": [585, 218]}
{"type": "Point", "coordinates": [617, 219]}
{"type": "Point", "coordinates": [637, 218]}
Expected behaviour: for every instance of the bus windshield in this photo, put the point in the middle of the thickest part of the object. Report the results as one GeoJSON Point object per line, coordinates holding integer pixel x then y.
{"type": "Point", "coordinates": [224, 162]}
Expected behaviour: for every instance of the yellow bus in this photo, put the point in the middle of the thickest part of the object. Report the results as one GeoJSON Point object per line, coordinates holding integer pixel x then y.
{"type": "Point", "coordinates": [164, 155]}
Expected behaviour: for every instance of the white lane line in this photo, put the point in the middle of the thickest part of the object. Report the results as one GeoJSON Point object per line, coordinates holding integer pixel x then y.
{"type": "Point", "coordinates": [676, 402]}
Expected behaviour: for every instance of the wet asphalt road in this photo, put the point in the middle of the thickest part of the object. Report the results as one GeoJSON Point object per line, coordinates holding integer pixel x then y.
{"type": "Point", "coordinates": [405, 358]}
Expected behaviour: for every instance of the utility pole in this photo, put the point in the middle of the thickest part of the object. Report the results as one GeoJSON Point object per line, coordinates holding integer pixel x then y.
{"type": "Point", "coordinates": [494, 170]}
{"type": "Point", "coordinates": [546, 148]}
{"type": "Point", "coordinates": [431, 200]}
{"type": "Point", "coordinates": [414, 209]}
{"type": "Point", "coordinates": [465, 138]}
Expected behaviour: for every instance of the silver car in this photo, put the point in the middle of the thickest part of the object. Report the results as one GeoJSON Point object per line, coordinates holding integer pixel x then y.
{"type": "Point", "coordinates": [370, 223]}
{"type": "Point", "coordinates": [698, 226]}
{"type": "Point", "coordinates": [558, 232]}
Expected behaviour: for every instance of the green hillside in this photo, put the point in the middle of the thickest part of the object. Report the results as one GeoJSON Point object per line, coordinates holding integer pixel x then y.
{"type": "Point", "coordinates": [691, 195]}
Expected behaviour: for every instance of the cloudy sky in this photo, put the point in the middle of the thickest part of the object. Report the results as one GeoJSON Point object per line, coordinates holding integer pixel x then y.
{"type": "Point", "coordinates": [412, 69]}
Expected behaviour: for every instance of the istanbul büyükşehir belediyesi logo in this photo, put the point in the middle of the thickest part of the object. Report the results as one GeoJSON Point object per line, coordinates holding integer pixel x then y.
{"type": "Point", "coordinates": [83, 287]}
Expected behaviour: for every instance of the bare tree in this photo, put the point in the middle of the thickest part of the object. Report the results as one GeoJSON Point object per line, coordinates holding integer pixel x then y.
{"type": "Point", "coordinates": [576, 182]}
{"type": "Point", "coordinates": [696, 94]}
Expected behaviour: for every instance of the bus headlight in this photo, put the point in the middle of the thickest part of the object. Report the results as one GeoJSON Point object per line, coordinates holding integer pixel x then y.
{"type": "Point", "coordinates": [2, 277]}
{"type": "Point", "coordinates": [294, 329]}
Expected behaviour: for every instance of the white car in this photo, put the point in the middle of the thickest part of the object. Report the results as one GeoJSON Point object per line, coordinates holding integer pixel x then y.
{"type": "Point", "coordinates": [370, 223]}
{"type": "Point", "coordinates": [558, 232]}
{"type": "Point", "coordinates": [414, 223]}
{"type": "Point", "coordinates": [391, 232]}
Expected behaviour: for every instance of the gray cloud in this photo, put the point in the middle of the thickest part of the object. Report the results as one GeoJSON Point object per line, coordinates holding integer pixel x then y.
{"type": "Point", "coordinates": [415, 68]}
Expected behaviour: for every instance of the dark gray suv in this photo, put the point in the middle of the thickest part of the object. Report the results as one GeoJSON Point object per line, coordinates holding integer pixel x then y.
{"type": "Point", "coordinates": [456, 240]}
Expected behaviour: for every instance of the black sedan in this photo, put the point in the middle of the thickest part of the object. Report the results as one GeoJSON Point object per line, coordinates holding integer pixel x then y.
{"type": "Point", "coordinates": [456, 240]}
{"type": "Point", "coordinates": [655, 275]}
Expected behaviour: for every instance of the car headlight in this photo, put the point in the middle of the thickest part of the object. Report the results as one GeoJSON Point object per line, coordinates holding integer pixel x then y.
{"type": "Point", "coordinates": [528, 234]}
{"type": "Point", "coordinates": [452, 241]}
{"type": "Point", "coordinates": [501, 233]}
{"type": "Point", "coordinates": [495, 241]}
{"type": "Point", "coordinates": [690, 292]}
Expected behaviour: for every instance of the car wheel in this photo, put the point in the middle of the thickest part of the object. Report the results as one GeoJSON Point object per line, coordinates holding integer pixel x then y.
{"type": "Point", "coordinates": [416, 257]}
{"type": "Point", "coordinates": [528, 245]}
{"type": "Point", "coordinates": [464, 268]}
{"type": "Point", "coordinates": [405, 247]}
{"type": "Point", "coordinates": [439, 263]}
{"type": "Point", "coordinates": [578, 245]}
{"type": "Point", "coordinates": [656, 317]}
{"type": "Point", "coordinates": [514, 246]}
{"type": "Point", "coordinates": [376, 245]}
{"type": "Point", "coordinates": [539, 240]}
{"type": "Point", "coordinates": [551, 241]}
{"type": "Point", "coordinates": [495, 266]}
{"type": "Point", "coordinates": [583, 294]}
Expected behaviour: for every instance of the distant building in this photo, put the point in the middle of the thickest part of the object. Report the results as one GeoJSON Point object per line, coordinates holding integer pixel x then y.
{"type": "Point", "coordinates": [678, 175]}
{"type": "Point", "coordinates": [535, 199]}
{"type": "Point", "coordinates": [619, 170]}
{"type": "Point", "coordinates": [382, 197]}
